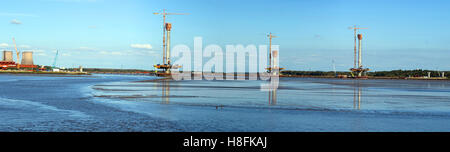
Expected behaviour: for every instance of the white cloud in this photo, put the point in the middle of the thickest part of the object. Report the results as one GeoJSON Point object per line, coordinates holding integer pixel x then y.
{"type": "Point", "coordinates": [35, 51]}
{"type": "Point", "coordinates": [141, 53]}
{"type": "Point", "coordinates": [87, 48]}
{"type": "Point", "coordinates": [142, 46]}
{"type": "Point", "coordinates": [111, 53]}
{"type": "Point", "coordinates": [3, 45]}
{"type": "Point", "coordinates": [24, 46]}
{"type": "Point", "coordinates": [151, 52]}
{"type": "Point", "coordinates": [41, 54]}
{"type": "Point", "coordinates": [15, 21]}
{"type": "Point", "coordinates": [38, 52]}
{"type": "Point", "coordinates": [116, 53]}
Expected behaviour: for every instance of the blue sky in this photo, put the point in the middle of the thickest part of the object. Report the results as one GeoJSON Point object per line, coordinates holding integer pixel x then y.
{"type": "Point", "coordinates": [403, 34]}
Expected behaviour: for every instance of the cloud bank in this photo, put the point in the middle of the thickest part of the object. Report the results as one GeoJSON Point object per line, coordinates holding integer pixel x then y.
{"type": "Point", "coordinates": [141, 46]}
{"type": "Point", "coordinates": [15, 21]}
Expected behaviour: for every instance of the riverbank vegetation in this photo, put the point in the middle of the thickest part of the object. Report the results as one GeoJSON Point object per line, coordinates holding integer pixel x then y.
{"type": "Point", "coordinates": [392, 74]}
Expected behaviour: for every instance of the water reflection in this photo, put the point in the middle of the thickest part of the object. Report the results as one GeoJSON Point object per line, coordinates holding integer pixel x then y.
{"type": "Point", "coordinates": [357, 94]}
{"type": "Point", "coordinates": [273, 97]}
{"type": "Point", "coordinates": [165, 91]}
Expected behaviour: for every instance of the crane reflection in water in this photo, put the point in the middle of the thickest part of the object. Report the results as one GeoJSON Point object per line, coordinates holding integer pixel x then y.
{"type": "Point", "coordinates": [357, 95]}
{"type": "Point", "coordinates": [165, 88]}
{"type": "Point", "coordinates": [272, 94]}
{"type": "Point", "coordinates": [273, 97]}
{"type": "Point", "coordinates": [272, 89]}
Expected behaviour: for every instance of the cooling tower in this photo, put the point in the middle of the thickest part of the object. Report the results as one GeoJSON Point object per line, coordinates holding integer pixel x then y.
{"type": "Point", "coordinates": [8, 56]}
{"type": "Point", "coordinates": [27, 58]}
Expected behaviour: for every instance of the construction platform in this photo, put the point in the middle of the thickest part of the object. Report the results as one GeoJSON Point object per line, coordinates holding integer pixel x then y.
{"type": "Point", "coordinates": [275, 68]}
{"type": "Point", "coordinates": [166, 66]}
{"type": "Point", "coordinates": [166, 69]}
{"type": "Point", "coordinates": [359, 70]}
{"type": "Point", "coordinates": [360, 77]}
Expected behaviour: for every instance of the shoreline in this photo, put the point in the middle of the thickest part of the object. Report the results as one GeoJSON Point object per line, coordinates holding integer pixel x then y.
{"type": "Point", "coordinates": [370, 77]}
{"type": "Point", "coordinates": [225, 75]}
{"type": "Point", "coordinates": [43, 73]}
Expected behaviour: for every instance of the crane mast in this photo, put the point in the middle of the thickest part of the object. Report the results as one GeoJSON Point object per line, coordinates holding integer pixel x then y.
{"type": "Point", "coordinates": [167, 65]}
{"type": "Point", "coordinates": [54, 61]}
{"type": "Point", "coordinates": [355, 29]}
{"type": "Point", "coordinates": [270, 36]}
{"type": "Point", "coordinates": [358, 67]}
{"type": "Point", "coordinates": [165, 53]}
{"type": "Point", "coordinates": [273, 57]}
{"type": "Point", "coordinates": [17, 53]}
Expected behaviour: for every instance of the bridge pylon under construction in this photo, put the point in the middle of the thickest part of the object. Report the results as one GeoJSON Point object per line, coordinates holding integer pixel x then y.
{"type": "Point", "coordinates": [167, 28]}
{"type": "Point", "coordinates": [360, 70]}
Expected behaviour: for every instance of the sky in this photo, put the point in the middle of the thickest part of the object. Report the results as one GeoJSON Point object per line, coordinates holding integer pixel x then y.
{"type": "Point", "coordinates": [402, 34]}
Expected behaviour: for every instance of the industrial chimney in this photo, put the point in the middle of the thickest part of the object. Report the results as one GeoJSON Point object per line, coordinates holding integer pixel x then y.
{"type": "Point", "coordinates": [8, 56]}
{"type": "Point", "coordinates": [27, 58]}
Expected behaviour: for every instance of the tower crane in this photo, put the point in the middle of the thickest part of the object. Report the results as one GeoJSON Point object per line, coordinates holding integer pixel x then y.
{"type": "Point", "coordinates": [164, 13]}
{"type": "Point", "coordinates": [17, 53]}
{"type": "Point", "coordinates": [272, 58]}
{"type": "Point", "coordinates": [358, 68]}
{"type": "Point", "coordinates": [54, 61]}
{"type": "Point", "coordinates": [271, 36]}
{"type": "Point", "coordinates": [355, 28]}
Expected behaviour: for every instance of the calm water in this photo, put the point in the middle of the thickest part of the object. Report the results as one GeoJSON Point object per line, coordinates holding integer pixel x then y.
{"type": "Point", "coordinates": [119, 103]}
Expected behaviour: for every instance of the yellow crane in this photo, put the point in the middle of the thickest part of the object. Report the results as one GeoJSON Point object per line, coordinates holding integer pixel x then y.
{"type": "Point", "coordinates": [270, 68]}
{"type": "Point", "coordinates": [271, 36]}
{"type": "Point", "coordinates": [164, 13]}
{"type": "Point", "coordinates": [355, 28]}
{"type": "Point", "coordinates": [17, 53]}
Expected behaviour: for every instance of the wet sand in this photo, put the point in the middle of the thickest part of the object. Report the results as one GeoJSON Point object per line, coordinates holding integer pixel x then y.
{"type": "Point", "coordinates": [140, 103]}
{"type": "Point", "coordinates": [299, 104]}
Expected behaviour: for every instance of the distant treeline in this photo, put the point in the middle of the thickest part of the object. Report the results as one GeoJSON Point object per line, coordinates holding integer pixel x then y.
{"type": "Point", "coordinates": [313, 73]}
{"type": "Point", "coordinates": [394, 73]}
{"type": "Point", "coordinates": [407, 73]}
